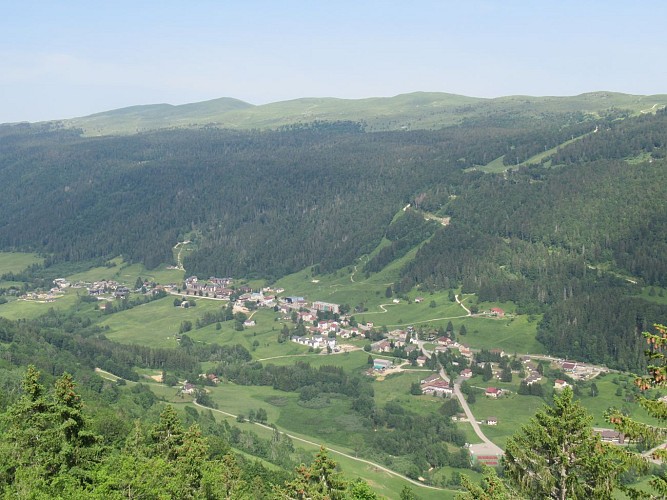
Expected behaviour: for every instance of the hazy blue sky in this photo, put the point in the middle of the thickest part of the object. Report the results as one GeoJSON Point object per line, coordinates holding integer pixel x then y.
{"type": "Point", "coordinates": [72, 58]}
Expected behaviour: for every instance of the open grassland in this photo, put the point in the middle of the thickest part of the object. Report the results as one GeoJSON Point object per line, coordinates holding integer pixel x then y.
{"type": "Point", "coordinates": [14, 262]}
{"type": "Point", "coordinates": [154, 324]}
{"type": "Point", "coordinates": [128, 273]}
{"type": "Point", "coordinates": [396, 388]}
{"type": "Point", "coordinates": [515, 335]}
{"type": "Point", "coordinates": [28, 309]}
{"type": "Point", "coordinates": [419, 110]}
{"type": "Point", "coordinates": [332, 425]}
{"type": "Point", "coordinates": [513, 410]}
{"type": "Point", "coordinates": [607, 385]}
{"type": "Point", "coordinates": [353, 362]}
{"type": "Point", "coordinates": [261, 339]}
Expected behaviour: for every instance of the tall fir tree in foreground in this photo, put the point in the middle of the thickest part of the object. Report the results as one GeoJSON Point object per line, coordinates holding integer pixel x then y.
{"type": "Point", "coordinates": [557, 455]}
{"type": "Point", "coordinates": [650, 436]}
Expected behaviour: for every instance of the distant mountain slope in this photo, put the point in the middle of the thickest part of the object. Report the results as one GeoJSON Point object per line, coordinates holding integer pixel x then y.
{"type": "Point", "coordinates": [155, 116]}
{"type": "Point", "coordinates": [419, 110]}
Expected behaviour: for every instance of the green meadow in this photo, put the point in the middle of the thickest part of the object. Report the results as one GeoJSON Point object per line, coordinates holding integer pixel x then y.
{"type": "Point", "coordinates": [27, 309]}
{"type": "Point", "coordinates": [128, 273]}
{"type": "Point", "coordinates": [154, 324]}
{"type": "Point", "coordinates": [14, 262]}
{"type": "Point", "coordinates": [284, 412]}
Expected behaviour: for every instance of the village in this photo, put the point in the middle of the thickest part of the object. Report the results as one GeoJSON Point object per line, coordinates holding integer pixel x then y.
{"type": "Point", "coordinates": [328, 329]}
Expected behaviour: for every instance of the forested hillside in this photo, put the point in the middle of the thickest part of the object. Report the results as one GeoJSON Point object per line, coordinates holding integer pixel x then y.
{"type": "Point", "coordinates": [571, 240]}
{"type": "Point", "coordinates": [577, 224]}
{"type": "Point", "coordinates": [265, 203]}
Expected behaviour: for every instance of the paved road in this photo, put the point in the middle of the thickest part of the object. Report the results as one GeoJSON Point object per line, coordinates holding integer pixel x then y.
{"type": "Point", "coordinates": [491, 446]}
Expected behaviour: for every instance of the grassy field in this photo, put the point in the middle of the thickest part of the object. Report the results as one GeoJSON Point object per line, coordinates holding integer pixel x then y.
{"type": "Point", "coordinates": [27, 309]}
{"type": "Point", "coordinates": [14, 262]}
{"type": "Point", "coordinates": [240, 399]}
{"type": "Point", "coordinates": [153, 324]}
{"type": "Point", "coordinates": [128, 274]}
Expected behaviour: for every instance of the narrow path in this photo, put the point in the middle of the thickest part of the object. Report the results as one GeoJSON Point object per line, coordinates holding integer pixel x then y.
{"type": "Point", "coordinates": [461, 304]}
{"type": "Point", "coordinates": [332, 450]}
{"type": "Point", "coordinates": [289, 356]}
{"type": "Point", "coordinates": [179, 259]}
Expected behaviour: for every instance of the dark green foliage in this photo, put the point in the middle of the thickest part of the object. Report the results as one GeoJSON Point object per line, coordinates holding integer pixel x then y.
{"type": "Point", "coordinates": [46, 443]}
{"type": "Point", "coordinates": [409, 229]}
{"type": "Point", "coordinates": [415, 389]}
{"type": "Point", "coordinates": [557, 455]}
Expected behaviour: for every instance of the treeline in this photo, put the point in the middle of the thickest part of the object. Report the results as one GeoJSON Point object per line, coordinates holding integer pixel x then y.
{"type": "Point", "coordinates": [300, 376]}
{"type": "Point", "coordinates": [51, 450]}
{"type": "Point", "coordinates": [255, 198]}
{"type": "Point", "coordinates": [57, 341]}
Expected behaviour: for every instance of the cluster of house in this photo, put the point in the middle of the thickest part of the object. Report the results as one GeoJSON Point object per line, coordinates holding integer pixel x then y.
{"type": "Point", "coordinates": [326, 331]}
{"type": "Point", "coordinates": [103, 287]}
{"type": "Point", "coordinates": [316, 341]}
{"type": "Point", "coordinates": [189, 388]}
{"type": "Point", "coordinates": [218, 288]}
{"type": "Point", "coordinates": [444, 343]}
{"type": "Point", "coordinates": [49, 296]}
{"type": "Point", "coordinates": [59, 284]}
{"type": "Point", "coordinates": [221, 288]}
{"type": "Point", "coordinates": [532, 375]}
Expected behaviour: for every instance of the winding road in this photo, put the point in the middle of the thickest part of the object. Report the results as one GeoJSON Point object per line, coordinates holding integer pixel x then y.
{"type": "Point", "coordinates": [332, 450]}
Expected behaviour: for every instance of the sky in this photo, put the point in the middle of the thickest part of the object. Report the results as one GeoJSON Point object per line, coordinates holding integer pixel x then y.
{"type": "Point", "coordinates": [74, 58]}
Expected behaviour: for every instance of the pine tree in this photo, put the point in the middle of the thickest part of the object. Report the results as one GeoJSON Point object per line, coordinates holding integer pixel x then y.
{"type": "Point", "coordinates": [46, 446]}
{"type": "Point", "coordinates": [649, 435]}
{"type": "Point", "coordinates": [557, 455]}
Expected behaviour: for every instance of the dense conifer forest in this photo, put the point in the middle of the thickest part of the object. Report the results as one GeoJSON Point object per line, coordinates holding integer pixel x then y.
{"type": "Point", "coordinates": [567, 234]}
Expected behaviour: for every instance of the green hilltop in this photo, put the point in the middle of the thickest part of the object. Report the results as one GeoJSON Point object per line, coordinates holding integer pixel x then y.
{"type": "Point", "coordinates": [418, 110]}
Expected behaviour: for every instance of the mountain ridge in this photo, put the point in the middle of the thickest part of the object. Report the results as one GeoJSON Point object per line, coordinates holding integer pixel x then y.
{"type": "Point", "coordinates": [410, 111]}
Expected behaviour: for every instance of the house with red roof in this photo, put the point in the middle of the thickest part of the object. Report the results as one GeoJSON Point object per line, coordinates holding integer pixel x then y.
{"type": "Point", "coordinates": [493, 392]}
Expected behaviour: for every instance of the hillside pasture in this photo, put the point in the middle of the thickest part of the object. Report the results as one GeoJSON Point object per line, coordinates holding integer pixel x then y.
{"type": "Point", "coordinates": [15, 262]}
{"type": "Point", "coordinates": [27, 309]}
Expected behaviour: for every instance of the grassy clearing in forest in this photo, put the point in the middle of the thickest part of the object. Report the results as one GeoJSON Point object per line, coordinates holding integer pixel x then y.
{"type": "Point", "coordinates": [14, 262]}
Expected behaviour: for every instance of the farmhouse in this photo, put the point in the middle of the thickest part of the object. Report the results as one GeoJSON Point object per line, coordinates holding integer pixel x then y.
{"type": "Point", "coordinates": [498, 312]}
{"type": "Point", "coordinates": [381, 346]}
{"type": "Point", "coordinates": [493, 392]}
{"type": "Point", "coordinates": [491, 421]}
{"type": "Point", "coordinates": [611, 436]}
{"type": "Point", "coordinates": [437, 387]}
{"type": "Point", "coordinates": [569, 366]}
{"type": "Point", "coordinates": [559, 385]}
{"type": "Point", "coordinates": [381, 364]}
{"type": "Point", "coordinates": [465, 351]}
{"type": "Point", "coordinates": [431, 378]}
{"type": "Point", "coordinates": [483, 453]}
